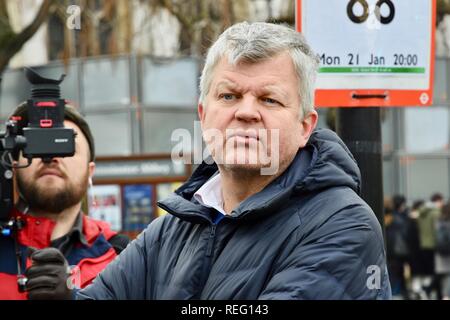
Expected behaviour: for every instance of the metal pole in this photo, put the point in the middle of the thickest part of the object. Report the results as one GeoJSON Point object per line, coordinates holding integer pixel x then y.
{"type": "Point", "coordinates": [360, 129]}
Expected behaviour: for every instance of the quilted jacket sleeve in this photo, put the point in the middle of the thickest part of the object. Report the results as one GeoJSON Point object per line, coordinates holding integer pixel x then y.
{"type": "Point", "coordinates": [344, 258]}
{"type": "Point", "coordinates": [126, 276]}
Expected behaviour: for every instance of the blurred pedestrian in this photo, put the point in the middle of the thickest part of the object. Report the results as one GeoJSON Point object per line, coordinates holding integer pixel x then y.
{"type": "Point", "coordinates": [398, 246]}
{"type": "Point", "coordinates": [426, 222]}
{"type": "Point", "coordinates": [442, 256]}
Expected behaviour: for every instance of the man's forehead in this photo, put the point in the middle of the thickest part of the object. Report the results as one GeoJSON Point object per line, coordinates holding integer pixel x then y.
{"type": "Point", "coordinates": [273, 71]}
{"type": "Point", "coordinates": [226, 83]}
{"type": "Point", "coordinates": [225, 62]}
{"type": "Point", "coordinates": [75, 127]}
{"type": "Point", "coordinates": [229, 83]}
{"type": "Point", "coordinates": [264, 86]}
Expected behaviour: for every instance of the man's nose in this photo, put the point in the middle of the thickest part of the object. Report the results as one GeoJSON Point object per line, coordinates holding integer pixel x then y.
{"type": "Point", "coordinates": [248, 110]}
{"type": "Point", "coordinates": [49, 161]}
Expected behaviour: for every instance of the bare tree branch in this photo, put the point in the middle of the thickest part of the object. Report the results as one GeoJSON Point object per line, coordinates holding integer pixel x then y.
{"type": "Point", "coordinates": [175, 10]}
{"type": "Point", "coordinates": [443, 8]}
{"type": "Point", "coordinates": [4, 18]}
{"type": "Point", "coordinates": [40, 17]}
{"type": "Point", "coordinates": [11, 43]}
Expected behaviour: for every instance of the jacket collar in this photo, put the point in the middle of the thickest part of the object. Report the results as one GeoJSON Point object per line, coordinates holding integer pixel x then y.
{"type": "Point", "coordinates": [37, 231]}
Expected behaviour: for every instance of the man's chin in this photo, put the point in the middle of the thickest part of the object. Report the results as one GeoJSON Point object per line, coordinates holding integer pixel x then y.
{"type": "Point", "coordinates": [50, 190]}
{"type": "Point", "coordinates": [49, 179]}
{"type": "Point", "coordinates": [250, 166]}
{"type": "Point", "coordinates": [240, 167]}
{"type": "Point", "coordinates": [52, 201]}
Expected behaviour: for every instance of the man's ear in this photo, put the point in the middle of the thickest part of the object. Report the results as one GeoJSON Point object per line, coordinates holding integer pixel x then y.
{"type": "Point", "coordinates": [308, 124]}
{"type": "Point", "coordinates": [91, 169]}
{"type": "Point", "coordinates": [201, 111]}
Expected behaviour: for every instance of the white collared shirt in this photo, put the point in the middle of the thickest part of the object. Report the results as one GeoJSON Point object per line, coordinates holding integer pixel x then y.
{"type": "Point", "coordinates": [210, 194]}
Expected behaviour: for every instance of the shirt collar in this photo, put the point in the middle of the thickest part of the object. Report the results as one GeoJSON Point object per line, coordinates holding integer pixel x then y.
{"type": "Point", "coordinates": [77, 229]}
{"type": "Point", "coordinates": [75, 233]}
{"type": "Point", "coordinates": [210, 194]}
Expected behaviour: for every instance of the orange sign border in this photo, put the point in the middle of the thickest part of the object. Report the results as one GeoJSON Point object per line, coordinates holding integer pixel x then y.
{"type": "Point", "coordinates": [395, 98]}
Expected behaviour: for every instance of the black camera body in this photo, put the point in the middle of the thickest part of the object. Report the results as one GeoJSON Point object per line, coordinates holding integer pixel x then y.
{"type": "Point", "coordinates": [45, 134]}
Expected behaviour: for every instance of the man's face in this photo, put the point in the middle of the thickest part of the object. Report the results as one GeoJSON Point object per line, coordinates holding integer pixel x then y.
{"type": "Point", "coordinates": [252, 111]}
{"type": "Point", "coordinates": [60, 184]}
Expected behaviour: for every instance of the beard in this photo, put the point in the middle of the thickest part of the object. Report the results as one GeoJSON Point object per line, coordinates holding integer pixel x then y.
{"type": "Point", "coordinates": [42, 198]}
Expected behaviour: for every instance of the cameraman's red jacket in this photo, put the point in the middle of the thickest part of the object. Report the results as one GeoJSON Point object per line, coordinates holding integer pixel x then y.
{"type": "Point", "coordinates": [90, 259]}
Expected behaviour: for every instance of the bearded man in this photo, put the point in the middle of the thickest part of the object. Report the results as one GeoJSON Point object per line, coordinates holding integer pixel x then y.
{"type": "Point", "coordinates": [58, 249]}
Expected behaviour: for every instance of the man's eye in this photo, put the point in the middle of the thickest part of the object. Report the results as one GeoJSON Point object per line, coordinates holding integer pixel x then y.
{"type": "Point", "coordinates": [227, 96]}
{"type": "Point", "coordinates": [270, 101]}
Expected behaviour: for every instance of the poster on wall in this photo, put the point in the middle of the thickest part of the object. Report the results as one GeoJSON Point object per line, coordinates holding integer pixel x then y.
{"type": "Point", "coordinates": [105, 204]}
{"type": "Point", "coordinates": [163, 190]}
{"type": "Point", "coordinates": [138, 207]}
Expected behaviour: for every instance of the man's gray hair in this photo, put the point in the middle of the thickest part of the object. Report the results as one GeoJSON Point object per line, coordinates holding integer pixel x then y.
{"type": "Point", "coordinates": [255, 42]}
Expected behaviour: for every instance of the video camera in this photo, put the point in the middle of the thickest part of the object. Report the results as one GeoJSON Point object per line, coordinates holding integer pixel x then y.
{"type": "Point", "coordinates": [43, 136]}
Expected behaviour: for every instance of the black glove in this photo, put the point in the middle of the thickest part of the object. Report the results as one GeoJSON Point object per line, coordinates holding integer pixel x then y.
{"type": "Point", "coordinates": [47, 276]}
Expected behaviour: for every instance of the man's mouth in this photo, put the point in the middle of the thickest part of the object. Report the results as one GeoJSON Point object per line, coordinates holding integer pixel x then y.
{"type": "Point", "coordinates": [243, 135]}
{"type": "Point", "coordinates": [50, 172]}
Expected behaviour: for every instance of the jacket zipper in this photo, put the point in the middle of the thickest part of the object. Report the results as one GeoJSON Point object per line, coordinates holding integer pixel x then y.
{"type": "Point", "coordinates": [207, 262]}
{"type": "Point", "coordinates": [212, 235]}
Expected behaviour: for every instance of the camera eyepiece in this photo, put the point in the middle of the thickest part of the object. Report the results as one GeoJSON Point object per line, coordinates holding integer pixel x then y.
{"type": "Point", "coordinates": [43, 87]}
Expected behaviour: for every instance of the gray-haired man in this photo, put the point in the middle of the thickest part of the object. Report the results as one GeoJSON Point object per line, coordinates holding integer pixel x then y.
{"type": "Point", "coordinates": [277, 214]}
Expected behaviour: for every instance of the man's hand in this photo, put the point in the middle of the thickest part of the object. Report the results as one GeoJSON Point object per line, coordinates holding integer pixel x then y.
{"type": "Point", "coordinates": [47, 276]}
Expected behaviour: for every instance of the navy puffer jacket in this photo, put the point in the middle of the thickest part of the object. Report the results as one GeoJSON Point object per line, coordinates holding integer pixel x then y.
{"type": "Point", "coordinates": [307, 235]}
